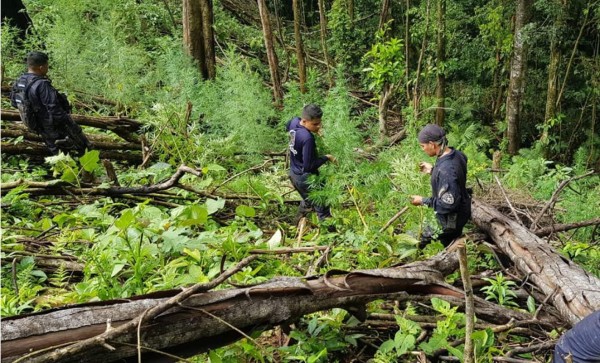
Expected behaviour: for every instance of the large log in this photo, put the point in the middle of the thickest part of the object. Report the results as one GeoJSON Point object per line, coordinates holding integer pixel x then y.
{"type": "Point", "coordinates": [124, 127]}
{"type": "Point", "coordinates": [572, 290]}
{"type": "Point", "coordinates": [99, 142]}
{"type": "Point", "coordinates": [202, 317]}
{"type": "Point", "coordinates": [38, 150]}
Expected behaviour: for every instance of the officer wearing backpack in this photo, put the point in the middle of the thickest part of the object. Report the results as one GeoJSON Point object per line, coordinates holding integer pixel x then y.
{"type": "Point", "coordinates": [304, 158]}
{"type": "Point", "coordinates": [46, 111]}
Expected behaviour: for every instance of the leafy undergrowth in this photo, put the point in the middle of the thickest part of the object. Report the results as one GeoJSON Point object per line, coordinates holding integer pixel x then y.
{"type": "Point", "coordinates": [116, 248]}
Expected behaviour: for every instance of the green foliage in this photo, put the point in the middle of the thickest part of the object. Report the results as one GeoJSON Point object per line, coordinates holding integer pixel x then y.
{"type": "Point", "coordinates": [404, 341]}
{"type": "Point", "coordinates": [321, 337]}
{"type": "Point", "coordinates": [386, 61]}
{"type": "Point", "coordinates": [500, 290]}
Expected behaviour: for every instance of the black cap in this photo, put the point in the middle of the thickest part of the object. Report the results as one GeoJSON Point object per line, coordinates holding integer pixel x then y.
{"type": "Point", "coordinates": [431, 132]}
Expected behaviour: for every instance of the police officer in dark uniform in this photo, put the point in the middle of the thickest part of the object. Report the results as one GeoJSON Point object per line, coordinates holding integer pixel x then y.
{"type": "Point", "coordinates": [52, 119]}
{"type": "Point", "coordinates": [304, 157]}
{"type": "Point", "coordinates": [450, 199]}
{"type": "Point", "coordinates": [581, 344]}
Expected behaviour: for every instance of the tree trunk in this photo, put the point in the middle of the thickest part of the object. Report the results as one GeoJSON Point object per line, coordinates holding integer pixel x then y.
{"type": "Point", "coordinates": [299, 46]}
{"type": "Point", "coordinates": [440, 93]}
{"type": "Point", "coordinates": [386, 95]}
{"type": "Point", "coordinates": [208, 38]}
{"type": "Point", "coordinates": [569, 288]}
{"type": "Point", "coordinates": [555, 56]}
{"type": "Point", "coordinates": [416, 95]}
{"type": "Point", "coordinates": [192, 34]}
{"type": "Point", "coordinates": [323, 28]}
{"type": "Point", "coordinates": [516, 87]}
{"type": "Point", "coordinates": [126, 128]}
{"type": "Point", "coordinates": [185, 328]}
{"type": "Point", "coordinates": [385, 13]}
{"type": "Point", "coordinates": [272, 56]}
{"type": "Point", "coordinates": [39, 151]}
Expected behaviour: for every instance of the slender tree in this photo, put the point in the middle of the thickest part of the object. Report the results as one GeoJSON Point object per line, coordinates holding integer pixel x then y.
{"type": "Point", "coordinates": [192, 33]}
{"type": "Point", "coordinates": [208, 38]}
{"type": "Point", "coordinates": [198, 35]}
{"type": "Point", "coordinates": [516, 87]}
{"type": "Point", "coordinates": [440, 93]}
{"type": "Point", "coordinates": [271, 55]}
{"type": "Point", "coordinates": [299, 46]}
{"type": "Point", "coordinates": [323, 28]}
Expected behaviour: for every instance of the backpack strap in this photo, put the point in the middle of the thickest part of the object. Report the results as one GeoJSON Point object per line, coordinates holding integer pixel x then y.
{"type": "Point", "coordinates": [28, 87]}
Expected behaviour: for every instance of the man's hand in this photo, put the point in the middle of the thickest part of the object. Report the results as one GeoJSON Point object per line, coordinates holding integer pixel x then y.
{"type": "Point", "coordinates": [416, 200]}
{"type": "Point", "coordinates": [331, 158]}
{"type": "Point", "coordinates": [425, 167]}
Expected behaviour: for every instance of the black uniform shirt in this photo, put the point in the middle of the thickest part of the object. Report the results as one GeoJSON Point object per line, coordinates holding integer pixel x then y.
{"type": "Point", "coordinates": [303, 149]}
{"type": "Point", "coordinates": [45, 99]}
{"type": "Point", "coordinates": [448, 184]}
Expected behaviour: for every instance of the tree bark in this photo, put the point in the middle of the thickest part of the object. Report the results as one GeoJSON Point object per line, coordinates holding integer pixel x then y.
{"type": "Point", "coordinates": [384, 14]}
{"type": "Point", "coordinates": [272, 56]}
{"type": "Point", "coordinates": [440, 113]}
{"type": "Point", "coordinates": [100, 142]}
{"type": "Point", "coordinates": [299, 45]}
{"type": "Point", "coordinates": [516, 87]}
{"type": "Point", "coordinates": [323, 30]}
{"type": "Point", "coordinates": [126, 128]}
{"type": "Point", "coordinates": [555, 56]}
{"type": "Point", "coordinates": [192, 34]}
{"type": "Point", "coordinates": [572, 290]}
{"type": "Point", "coordinates": [208, 38]}
{"type": "Point", "coordinates": [187, 325]}
{"type": "Point", "coordinates": [39, 150]}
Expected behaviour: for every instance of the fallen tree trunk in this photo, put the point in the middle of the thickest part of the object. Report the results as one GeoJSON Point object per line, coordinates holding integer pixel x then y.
{"type": "Point", "coordinates": [38, 150]}
{"type": "Point", "coordinates": [555, 228]}
{"type": "Point", "coordinates": [99, 142]}
{"type": "Point", "coordinates": [206, 316]}
{"type": "Point", "coordinates": [126, 128]}
{"type": "Point", "coordinates": [572, 290]}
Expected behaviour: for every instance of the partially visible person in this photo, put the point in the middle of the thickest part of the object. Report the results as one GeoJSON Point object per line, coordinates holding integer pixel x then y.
{"type": "Point", "coordinates": [46, 111]}
{"type": "Point", "coordinates": [450, 199]}
{"type": "Point", "coordinates": [304, 159]}
{"type": "Point", "coordinates": [581, 344]}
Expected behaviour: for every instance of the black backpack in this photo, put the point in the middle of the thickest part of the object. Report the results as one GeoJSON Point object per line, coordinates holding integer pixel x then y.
{"type": "Point", "coordinates": [20, 99]}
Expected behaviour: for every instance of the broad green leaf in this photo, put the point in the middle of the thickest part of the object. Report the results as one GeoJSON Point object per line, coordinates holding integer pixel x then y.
{"type": "Point", "coordinates": [126, 219]}
{"type": "Point", "coordinates": [212, 167]}
{"type": "Point", "coordinates": [245, 211]}
{"type": "Point", "coordinates": [214, 357]}
{"type": "Point", "coordinates": [387, 346]}
{"type": "Point", "coordinates": [195, 254]}
{"type": "Point", "coordinates": [89, 160]}
{"type": "Point", "coordinates": [404, 343]}
{"type": "Point", "coordinates": [213, 205]}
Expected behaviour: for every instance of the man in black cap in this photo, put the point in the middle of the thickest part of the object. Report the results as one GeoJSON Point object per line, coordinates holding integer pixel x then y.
{"type": "Point", "coordinates": [304, 159]}
{"type": "Point", "coordinates": [450, 199]}
{"type": "Point", "coordinates": [45, 110]}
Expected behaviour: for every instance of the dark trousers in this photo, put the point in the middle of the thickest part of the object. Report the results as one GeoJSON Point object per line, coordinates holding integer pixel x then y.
{"type": "Point", "coordinates": [452, 227]}
{"type": "Point", "coordinates": [300, 183]}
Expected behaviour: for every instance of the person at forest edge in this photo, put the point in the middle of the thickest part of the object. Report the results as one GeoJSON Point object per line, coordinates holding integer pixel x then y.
{"type": "Point", "coordinates": [304, 158]}
{"type": "Point", "coordinates": [50, 109]}
{"type": "Point", "coordinates": [450, 199]}
{"type": "Point", "coordinates": [581, 344]}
